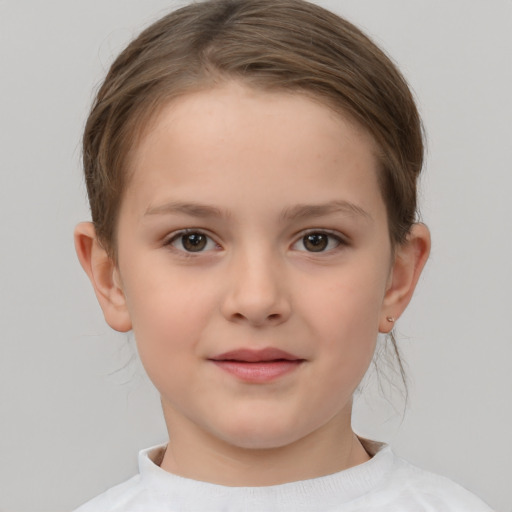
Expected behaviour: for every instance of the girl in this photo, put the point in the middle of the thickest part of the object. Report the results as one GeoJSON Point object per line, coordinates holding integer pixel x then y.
{"type": "Point", "coordinates": [251, 168]}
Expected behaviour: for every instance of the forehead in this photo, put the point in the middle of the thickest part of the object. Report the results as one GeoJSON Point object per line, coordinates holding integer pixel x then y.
{"type": "Point", "coordinates": [207, 99]}
{"type": "Point", "coordinates": [233, 139]}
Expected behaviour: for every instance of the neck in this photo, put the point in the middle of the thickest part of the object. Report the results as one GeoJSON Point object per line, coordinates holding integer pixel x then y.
{"type": "Point", "coordinates": [196, 454]}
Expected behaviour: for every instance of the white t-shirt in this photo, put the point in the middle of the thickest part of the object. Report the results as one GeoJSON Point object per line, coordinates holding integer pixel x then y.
{"type": "Point", "coordinates": [385, 483]}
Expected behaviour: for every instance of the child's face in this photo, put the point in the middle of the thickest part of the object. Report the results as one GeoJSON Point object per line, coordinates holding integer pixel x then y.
{"type": "Point", "coordinates": [254, 221]}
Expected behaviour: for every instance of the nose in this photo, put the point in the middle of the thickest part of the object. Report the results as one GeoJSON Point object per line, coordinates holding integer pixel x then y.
{"type": "Point", "coordinates": [257, 292]}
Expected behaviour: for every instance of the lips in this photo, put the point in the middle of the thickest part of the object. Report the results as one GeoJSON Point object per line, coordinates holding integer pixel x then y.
{"type": "Point", "coordinates": [256, 356]}
{"type": "Point", "coordinates": [257, 366]}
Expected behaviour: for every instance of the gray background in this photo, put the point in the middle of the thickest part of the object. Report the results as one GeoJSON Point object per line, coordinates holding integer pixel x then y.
{"type": "Point", "coordinates": [75, 406]}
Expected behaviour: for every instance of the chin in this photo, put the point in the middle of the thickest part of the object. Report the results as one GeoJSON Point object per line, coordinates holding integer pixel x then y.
{"type": "Point", "coordinates": [260, 435]}
{"type": "Point", "coordinates": [260, 442]}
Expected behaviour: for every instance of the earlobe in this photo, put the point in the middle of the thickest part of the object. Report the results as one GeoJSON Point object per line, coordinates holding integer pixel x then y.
{"type": "Point", "coordinates": [104, 276]}
{"type": "Point", "coordinates": [410, 258]}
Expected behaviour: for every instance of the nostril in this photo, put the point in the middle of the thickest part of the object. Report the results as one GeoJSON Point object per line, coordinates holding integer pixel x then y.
{"type": "Point", "coordinates": [272, 318]}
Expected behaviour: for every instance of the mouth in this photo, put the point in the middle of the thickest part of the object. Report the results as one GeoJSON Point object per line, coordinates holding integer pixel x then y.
{"type": "Point", "coordinates": [257, 366]}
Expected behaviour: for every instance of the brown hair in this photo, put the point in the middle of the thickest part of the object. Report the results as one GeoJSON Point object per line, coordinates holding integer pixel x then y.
{"type": "Point", "coordinates": [273, 44]}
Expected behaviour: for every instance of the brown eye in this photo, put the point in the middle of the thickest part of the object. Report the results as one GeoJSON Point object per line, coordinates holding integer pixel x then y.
{"type": "Point", "coordinates": [316, 242]}
{"type": "Point", "coordinates": [193, 241]}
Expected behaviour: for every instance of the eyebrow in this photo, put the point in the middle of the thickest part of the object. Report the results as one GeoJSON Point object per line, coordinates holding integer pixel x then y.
{"type": "Point", "coordinates": [302, 211]}
{"type": "Point", "coordinates": [297, 212]}
{"type": "Point", "coordinates": [191, 209]}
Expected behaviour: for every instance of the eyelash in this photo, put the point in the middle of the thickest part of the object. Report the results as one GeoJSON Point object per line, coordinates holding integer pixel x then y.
{"type": "Point", "coordinates": [331, 236]}
{"type": "Point", "coordinates": [180, 235]}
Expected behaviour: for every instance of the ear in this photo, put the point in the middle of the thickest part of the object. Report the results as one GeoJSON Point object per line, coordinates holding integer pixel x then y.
{"type": "Point", "coordinates": [410, 258]}
{"type": "Point", "coordinates": [104, 276]}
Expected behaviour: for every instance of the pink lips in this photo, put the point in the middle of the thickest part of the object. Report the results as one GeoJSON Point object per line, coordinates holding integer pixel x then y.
{"type": "Point", "coordinates": [258, 366]}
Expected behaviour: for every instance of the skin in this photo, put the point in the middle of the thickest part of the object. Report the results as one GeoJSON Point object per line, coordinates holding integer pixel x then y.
{"type": "Point", "coordinates": [255, 172]}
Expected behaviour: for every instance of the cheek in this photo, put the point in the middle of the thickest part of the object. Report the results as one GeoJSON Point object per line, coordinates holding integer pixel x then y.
{"type": "Point", "coordinates": [163, 296]}
{"type": "Point", "coordinates": [344, 318]}
{"type": "Point", "coordinates": [350, 301]}
{"type": "Point", "coordinates": [348, 352]}
{"type": "Point", "coordinates": [168, 315]}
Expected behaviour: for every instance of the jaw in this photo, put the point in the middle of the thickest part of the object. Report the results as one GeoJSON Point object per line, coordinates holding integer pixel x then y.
{"type": "Point", "coordinates": [255, 453]}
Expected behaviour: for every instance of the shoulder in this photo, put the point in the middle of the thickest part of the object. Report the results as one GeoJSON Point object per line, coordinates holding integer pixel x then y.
{"type": "Point", "coordinates": [416, 489]}
{"type": "Point", "coordinates": [135, 494]}
{"type": "Point", "coordinates": [120, 497]}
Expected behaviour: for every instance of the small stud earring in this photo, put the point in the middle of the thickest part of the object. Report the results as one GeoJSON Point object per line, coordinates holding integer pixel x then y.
{"type": "Point", "coordinates": [390, 319]}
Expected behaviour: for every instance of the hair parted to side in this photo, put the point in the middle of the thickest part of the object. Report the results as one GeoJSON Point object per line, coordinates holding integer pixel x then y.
{"type": "Point", "coordinates": [269, 44]}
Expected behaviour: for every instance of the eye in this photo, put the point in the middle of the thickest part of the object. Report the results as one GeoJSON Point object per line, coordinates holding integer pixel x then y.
{"type": "Point", "coordinates": [192, 241]}
{"type": "Point", "coordinates": [318, 241]}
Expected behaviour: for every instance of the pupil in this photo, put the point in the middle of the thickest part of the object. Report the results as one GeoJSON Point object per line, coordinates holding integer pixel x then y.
{"type": "Point", "coordinates": [316, 242]}
{"type": "Point", "coordinates": [194, 242]}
